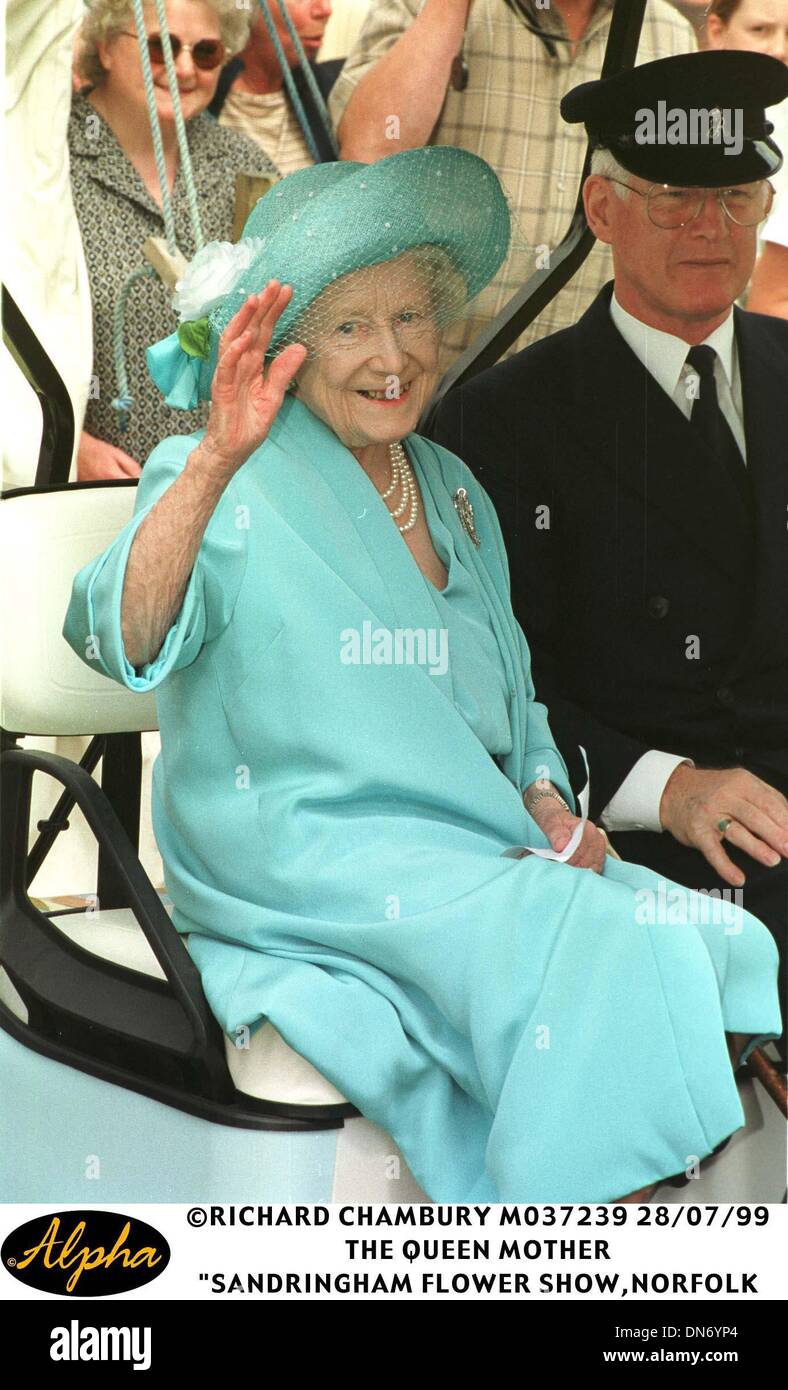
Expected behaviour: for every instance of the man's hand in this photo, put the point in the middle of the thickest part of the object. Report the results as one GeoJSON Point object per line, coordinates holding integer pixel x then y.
{"type": "Point", "coordinates": [696, 799]}
{"type": "Point", "coordinates": [559, 827]}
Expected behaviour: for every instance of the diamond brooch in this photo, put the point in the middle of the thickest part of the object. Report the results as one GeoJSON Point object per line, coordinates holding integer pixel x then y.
{"type": "Point", "coordinates": [464, 508]}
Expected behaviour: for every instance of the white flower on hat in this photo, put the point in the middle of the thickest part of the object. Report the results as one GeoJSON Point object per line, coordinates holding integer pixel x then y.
{"type": "Point", "coordinates": [210, 274]}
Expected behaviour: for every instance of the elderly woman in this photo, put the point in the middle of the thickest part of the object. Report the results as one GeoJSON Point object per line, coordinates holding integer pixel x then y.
{"type": "Point", "coordinates": [118, 197]}
{"type": "Point", "coordinates": [354, 764]}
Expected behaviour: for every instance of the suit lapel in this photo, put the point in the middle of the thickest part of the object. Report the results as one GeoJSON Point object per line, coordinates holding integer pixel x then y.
{"type": "Point", "coordinates": [651, 447]}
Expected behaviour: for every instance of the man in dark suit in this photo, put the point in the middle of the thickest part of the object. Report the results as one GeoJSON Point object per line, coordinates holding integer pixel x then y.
{"type": "Point", "coordinates": [642, 488]}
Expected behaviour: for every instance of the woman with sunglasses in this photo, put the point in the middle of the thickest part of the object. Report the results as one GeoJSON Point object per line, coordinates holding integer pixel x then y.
{"type": "Point", "coordinates": [118, 197]}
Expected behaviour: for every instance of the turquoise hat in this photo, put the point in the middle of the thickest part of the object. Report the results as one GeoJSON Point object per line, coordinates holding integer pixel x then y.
{"type": "Point", "coordinates": [326, 221]}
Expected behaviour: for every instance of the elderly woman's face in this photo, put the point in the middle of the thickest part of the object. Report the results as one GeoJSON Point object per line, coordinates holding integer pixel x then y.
{"type": "Point", "coordinates": [190, 21]}
{"type": "Point", "coordinates": [373, 363]}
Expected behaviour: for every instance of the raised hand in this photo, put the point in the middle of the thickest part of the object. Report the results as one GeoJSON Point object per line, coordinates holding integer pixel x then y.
{"type": "Point", "coordinates": [245, 399]}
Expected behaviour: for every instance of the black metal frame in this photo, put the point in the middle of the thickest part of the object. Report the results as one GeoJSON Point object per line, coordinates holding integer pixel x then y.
{"type": "Point", "coordinates": [57, 412]}
{"type": "Point", "coordinates": [156, 1037]}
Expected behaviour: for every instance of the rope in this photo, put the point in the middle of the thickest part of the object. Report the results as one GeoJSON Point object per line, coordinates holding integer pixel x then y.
{"type": "Point", "coordinates": [155, 129]}
{"type": "Point", "coordinates": [123, 401]}
{"type": "Point", "coordinates": [288, 77]}
{"type": "Point", "coordinates": [180, 128]}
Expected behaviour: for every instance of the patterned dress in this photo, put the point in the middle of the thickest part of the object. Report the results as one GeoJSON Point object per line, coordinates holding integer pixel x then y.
{"type": "Point", "coordinates": [116, 213]}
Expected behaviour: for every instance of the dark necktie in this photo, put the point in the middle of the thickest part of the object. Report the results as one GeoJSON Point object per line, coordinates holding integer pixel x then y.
{"type": "Point", "coordinates": [708, 419]}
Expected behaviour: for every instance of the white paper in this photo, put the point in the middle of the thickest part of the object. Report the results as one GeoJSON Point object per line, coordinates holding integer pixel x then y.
{"type": "Point", "coordinates": [582, 797]}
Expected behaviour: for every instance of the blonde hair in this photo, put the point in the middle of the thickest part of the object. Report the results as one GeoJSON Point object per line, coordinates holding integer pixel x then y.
{"type": "Point", "coordinates": [104, 19]}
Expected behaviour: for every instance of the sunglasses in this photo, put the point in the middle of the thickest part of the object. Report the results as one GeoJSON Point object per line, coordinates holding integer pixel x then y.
{"type": "Point", "coordinates": [206, 53]}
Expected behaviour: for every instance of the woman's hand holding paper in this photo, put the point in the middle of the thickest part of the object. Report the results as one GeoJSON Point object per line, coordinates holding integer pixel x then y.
{"type": "Point", "coordinates": [559, 825]}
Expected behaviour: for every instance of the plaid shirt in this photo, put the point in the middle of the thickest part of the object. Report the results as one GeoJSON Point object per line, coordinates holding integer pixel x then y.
{"type": "Point", "coordinates": [508, 114]}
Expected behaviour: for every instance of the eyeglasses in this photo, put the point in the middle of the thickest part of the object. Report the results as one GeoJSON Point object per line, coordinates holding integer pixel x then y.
{"type": "Point", "coordinates": [667, 207]}
{"type": "Point", "coordinates": [206, 53]}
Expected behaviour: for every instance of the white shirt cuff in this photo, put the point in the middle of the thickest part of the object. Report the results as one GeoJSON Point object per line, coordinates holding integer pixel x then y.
{"type": "Point", "coordinates": [635, 806]}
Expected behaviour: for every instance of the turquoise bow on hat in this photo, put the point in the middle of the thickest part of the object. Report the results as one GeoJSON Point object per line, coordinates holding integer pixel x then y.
{"type": "Point", "coordinates": [174, 363]}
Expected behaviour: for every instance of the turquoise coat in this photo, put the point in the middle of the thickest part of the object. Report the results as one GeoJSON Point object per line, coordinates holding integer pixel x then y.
{"type": "Point", "coordinates": [333, 833]}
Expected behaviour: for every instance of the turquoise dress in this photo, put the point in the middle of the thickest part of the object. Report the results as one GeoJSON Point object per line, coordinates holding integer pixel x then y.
{"type": "Point", "coordinates": [333, 802]}
{"type": "Point", "coordinates": [481, 694]}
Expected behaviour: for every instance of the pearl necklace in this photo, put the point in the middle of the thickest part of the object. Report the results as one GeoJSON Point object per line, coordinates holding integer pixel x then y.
{"type": "Point", "coordinates": [402, 477]}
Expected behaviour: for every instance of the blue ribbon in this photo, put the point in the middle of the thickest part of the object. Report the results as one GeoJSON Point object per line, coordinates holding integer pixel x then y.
{"type": "Point", "coordinates": [175, 372]}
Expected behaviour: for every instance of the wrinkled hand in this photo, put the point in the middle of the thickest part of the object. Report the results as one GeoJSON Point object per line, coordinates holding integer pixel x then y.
{"type": "Point", "coordinates": [97, 458]}
{"type": "Point", "coordinates": [245, 400]}
{"type": "Point", "coordinates": [695, 799]}
{"type": "Point", "coordinates": [559, 827]}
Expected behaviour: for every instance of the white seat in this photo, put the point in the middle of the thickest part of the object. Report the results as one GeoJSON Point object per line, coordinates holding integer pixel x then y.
{"type": "Point", "coordinates": [45, 538]}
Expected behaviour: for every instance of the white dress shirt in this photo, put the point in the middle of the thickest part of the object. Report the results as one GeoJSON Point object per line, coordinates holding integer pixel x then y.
{"type": "Point", "coordinates": [665, 356]}
{"type": "Point", "coordinates": [635, 806]}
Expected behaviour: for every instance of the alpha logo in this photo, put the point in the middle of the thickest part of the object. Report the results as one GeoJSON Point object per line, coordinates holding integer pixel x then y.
{"type": "Point", "coordinates": [85, 1254]}
{"type": "Point", "coordinates": [75, 1343]}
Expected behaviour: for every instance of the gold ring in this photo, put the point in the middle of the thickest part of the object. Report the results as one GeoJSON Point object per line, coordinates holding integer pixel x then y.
{"type": "Point", "coordinates": [723, 823]}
